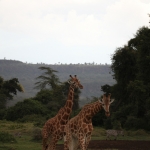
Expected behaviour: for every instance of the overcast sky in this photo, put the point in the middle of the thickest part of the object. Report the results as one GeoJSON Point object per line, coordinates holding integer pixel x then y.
{"type": "Point", "coordinates": [68, 31]}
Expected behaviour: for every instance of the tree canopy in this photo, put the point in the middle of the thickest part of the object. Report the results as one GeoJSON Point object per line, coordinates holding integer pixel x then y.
{"type": "Point", "coordinates": [131, 67]}
{"type": "Point", "coordinates": [48, 79]}
{"type": "Point", "coordinates": [8, 89]}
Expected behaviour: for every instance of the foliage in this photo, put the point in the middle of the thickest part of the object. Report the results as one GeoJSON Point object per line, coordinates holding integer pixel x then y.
{"type": "Point", "coordinates": [130, 65]}
{"type": "Point", "coordinates": [48, 79]}
{"type": "Point", "coordinates": [44, 96]}
{"type": "Point", "coordinates": [117, 125]}
{"type": "Point", "coordinates": [8, 89]}
{"type": "Point", "coordinates": [98, 119]}
{"type": "Point", "coordinates": [37, 136]}
{"type": "Point", "coordinates": [44, 105]}
{"type": "Point", "coordinates": [54, 98]}
{"type": "Point", "coordinates": [27, 107]}
{"type": "Point", "coordinates": [5, 137]}
{"type": "Point", "coordinates": [106, 88]}
{"type": "Point", "coordinates": [37, 119]}
{"type": "Point", "coordinates": [2, 113]}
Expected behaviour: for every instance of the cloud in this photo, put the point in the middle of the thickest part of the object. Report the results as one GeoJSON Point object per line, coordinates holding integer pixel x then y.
{"type": "Point", "coordinates": [98, 26]}
{"type": "Point", "coordinates": [122, 20]}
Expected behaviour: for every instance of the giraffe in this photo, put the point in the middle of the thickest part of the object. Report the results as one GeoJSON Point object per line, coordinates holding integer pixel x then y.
{"type": "Point", "coordinates": [78, 130]}
{"type": "Point", "coordinates": [53, 129]}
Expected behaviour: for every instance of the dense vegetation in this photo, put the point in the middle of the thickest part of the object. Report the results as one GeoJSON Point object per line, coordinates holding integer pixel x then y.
{"type": "Point", "coordinates": [131, 67]}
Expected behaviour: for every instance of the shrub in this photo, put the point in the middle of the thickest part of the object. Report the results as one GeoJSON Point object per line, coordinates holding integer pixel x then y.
{"type": "Point", "coordinates": [37, 136]}
{"type": "Point", "coordinates": [135, 123]}
{"type": "Point", "coordinates": [27, 107]}
{"type": "Point", "coordinates": [16, 126]}
{"type": "Point", "coordinates": [117, 125]}
{"type": "Point", "coordinates": [107, 123]}
{"type": "Point", "coordinates": [2, 113]}
{"type": "Point", "coordinates": [139, 132]}
{"type": "Point", "coordinates": [5, 137]}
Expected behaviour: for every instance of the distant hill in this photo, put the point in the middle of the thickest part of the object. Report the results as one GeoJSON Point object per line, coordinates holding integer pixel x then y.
{"type": "Point", "coordinates": [91, 76]}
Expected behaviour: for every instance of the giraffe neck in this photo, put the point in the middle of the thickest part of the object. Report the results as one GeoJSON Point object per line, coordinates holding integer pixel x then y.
{"type": "Point", "coordinates": [71, 93]}
{"type": "Point", "coordinates": [64, 113]}
{"type": "Point", "coordinates": [90, 110]}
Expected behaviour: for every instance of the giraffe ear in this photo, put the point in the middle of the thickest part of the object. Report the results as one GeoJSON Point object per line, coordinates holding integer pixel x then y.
{"type": "Point", "coordinates": [111, 101]}
{"type": "Point", "coordinates": [101, 101]}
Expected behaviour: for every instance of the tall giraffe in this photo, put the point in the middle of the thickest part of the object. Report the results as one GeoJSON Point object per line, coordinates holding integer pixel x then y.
{"type": "Point", "coordinates": [78, 129]}
{"type": "Point", "coordinates": [54, 128]}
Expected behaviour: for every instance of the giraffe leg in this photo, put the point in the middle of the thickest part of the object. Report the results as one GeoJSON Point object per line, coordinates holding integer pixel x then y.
{"type": "Point", "coordinates": [52, 144]}
{"type": "Point", "coordinates": [88, 140]}
{"type": "Point", "coordinates": [82, 141]}
{"type": "Point", "coordinates": [66, 139]}
{"type": "Point", "coordinates": [74, 143]}
{"type": "Point", "coordinates": [66, 146]}
{"type": "Point", "coordinates": [45, 142]}
{"type": "Point", "coordinates": [68, 142]}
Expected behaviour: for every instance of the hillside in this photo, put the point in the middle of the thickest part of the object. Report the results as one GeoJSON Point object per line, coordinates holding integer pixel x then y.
{"type": "Point", "coordinates": [92, 77]}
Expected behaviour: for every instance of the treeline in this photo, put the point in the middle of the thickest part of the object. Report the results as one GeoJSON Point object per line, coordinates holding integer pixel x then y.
{"type": "Point", "coordinates": [92, 77]}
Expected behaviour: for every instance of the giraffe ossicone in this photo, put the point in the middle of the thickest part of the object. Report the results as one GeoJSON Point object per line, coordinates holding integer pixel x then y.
{"type": "Point", "coordinates": [53, 129]}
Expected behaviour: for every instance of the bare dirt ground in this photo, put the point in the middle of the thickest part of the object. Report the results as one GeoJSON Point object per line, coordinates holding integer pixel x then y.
{"type": "Point", "coordinates": [115, 145]}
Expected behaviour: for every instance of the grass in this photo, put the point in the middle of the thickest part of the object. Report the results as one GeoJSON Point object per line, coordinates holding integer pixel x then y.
{"type": "Point", "coordinates": [99, 134]}
{"type": "Point", "coordinates": [26, 130]}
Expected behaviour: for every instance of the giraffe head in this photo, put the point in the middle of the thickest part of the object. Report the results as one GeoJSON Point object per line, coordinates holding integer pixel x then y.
{"type": "Point", "coordinates": [106, 101]}
{"type": "Point", "coordinates": [74, 82]}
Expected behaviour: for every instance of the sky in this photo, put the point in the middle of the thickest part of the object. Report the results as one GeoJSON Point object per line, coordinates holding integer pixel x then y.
{"type": "Point", "coordinates": [68, 31]}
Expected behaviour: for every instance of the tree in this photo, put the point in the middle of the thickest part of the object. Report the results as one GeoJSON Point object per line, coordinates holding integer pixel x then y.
{"type": "Point", "coordinates": [106, 88]}
{"type": "Point", "coordinates": [130, 65]}
{"type": "Point", "coordinates": [53, 93]}
{"type": "Point", "coordinates": [124, 65]}
{"type": "Point", "coordinates": [48, 80]}
{"type": "Point", "coordinates": [8, 89]}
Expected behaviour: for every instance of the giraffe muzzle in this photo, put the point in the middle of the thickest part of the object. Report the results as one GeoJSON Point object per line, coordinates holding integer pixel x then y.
{"type": "Point", "coordinates": [107, 114]}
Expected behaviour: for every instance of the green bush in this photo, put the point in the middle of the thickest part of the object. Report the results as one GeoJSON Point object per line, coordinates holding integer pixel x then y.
{"type": "Point", "coordinates": [117, 125]}
{"type": "Point", "coordinates": [135, 123]}
{"type": "Point", "coordinates": [108, 123]}
{"type": "Point", "coordinates": [37, 136]}
{"type": "Point", "coordinates": [2, 113]}
{"type": "Point", "coordinates": [16, 126]}
{"type": "Point", "coordinates": [5, 137]}
{"type": "Point", "coordinates": [139, 132]}
{"type": "Point", "coordinates": [27, 107]}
